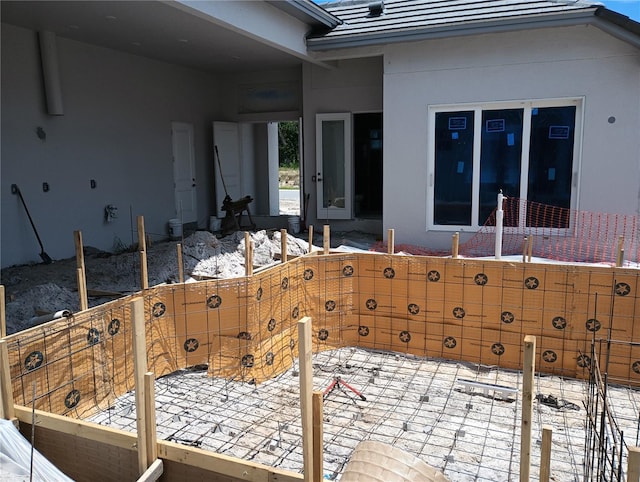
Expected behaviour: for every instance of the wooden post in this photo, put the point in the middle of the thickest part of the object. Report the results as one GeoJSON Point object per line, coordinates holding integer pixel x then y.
{"type": "Point", "coordinates": [310, 228]}
{"type": "Point", "coordinates": [248, 254]}
{"type": "Point", "coordinates": [150, 417]}
{"type": "Point", "coordinates": [6, 389]}
{"type": "Point", "coordinates": [525, 245]}
{"type": "Point", "coordinates": [283, 245]}
{"type": "Point", "coordinates": [81, 273]}
{"type": "Point", "coordinates": [306, 389]}
{"type": "Point", "coordinates": [318, 441]}
{"type": "Point", "coordinates": [139, 369]}
{"type": "Point", "coordinates": [620, 256]}
{"type": "Point", "coordinates": [142, 248]}
{"type": "Point", "coordinates": [528, 371]}
{"type": "Point", "coordinates": [390, 241]}
{"type": "Point", "coordinates": [633, 464]}
{"type": "Point", "coordinates": [455, 240]}
{"type": "Point", "coordinates": [180, 264]}
{"type": "Point", "coordinates": [3, 313]}
{"type": "Point", "coordinates": [530, 248]}
{"type": "Point", "coordinates": [326, 239]}
{"type": "Point", "coordinates": [545, 455]}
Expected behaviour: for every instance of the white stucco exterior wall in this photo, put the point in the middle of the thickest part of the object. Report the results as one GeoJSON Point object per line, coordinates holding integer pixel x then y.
{"type": "Point", "coordinates": [539, 64]}
{"type": "Point", "coordinates": [116, 129]}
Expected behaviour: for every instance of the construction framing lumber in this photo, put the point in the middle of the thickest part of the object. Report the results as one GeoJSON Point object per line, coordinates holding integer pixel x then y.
{"type": "Point", "coordinates": [455, 244]}
{"type": "Point", "coordinates": [326, 238]}
{"type": "Point", "coordinates": [390, 241]}
{"type": "Point", "coordinates": [306, 393]}
{"type": "Point", "coordinates": [528, 372]}
{"type": "Point", "coordinates": [310, 228]}
{"type": "Point", "coordinates": [283, 245]}
{"type": "Point", "coordinates": [6, 391]}
{"type": "Point", "coordinates": [150, 418]}
{"type": "Point", "coordinates": [3, 313]}
{"type": "Point", "coordinates": [633, 465]}
{"type": "Point", "coordinates": [545, 453]}
{"type": "Point", "coordinates": [180, 263]}
{"type": "Point", "coordinates": [153, 473]}
{"type": "Point", "coordinates": [142, 248]}
{"type": "Point", "coordinates": [248, 254]}
{"type": "Point", "coordinates": [140, 368]}
{"type": "Point", "coordinates": [318, 471]}
{"type": "Point", "coordinates": [81, 271]}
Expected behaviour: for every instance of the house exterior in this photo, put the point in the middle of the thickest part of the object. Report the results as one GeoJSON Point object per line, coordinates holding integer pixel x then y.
{"type": "Point", "coordinates": [413, 114]}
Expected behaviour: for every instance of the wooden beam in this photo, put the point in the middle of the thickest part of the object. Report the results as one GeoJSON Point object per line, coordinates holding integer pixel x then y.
{"type": "Point", "coordinates": [390, 241]}
{"type": "Point", "coordinates": [180, 264]}
{"type": "Point", "coordinates": [525, 246]}
{"type": "Point", "coordinates": [142, 249]}
{"type": "Point", "coordinates": [318, 439]}
{"type": "Point", "coordinates": [620, 255]}
{"type": "Point", "coordinates": [81, 273]}
{"type": "Point", "coordinates": [248, 254]}
{"type": "Point", "coordinates": [306, 389]}
{"type": "Point", "coordinates": [172, 451]}
{"type": "Point", "coordinates": [150, 417]}
{"type": "Point", "coordinates": [139, 369]}
{"type": "Point", "coordinates": [545, 454]}
{"type": "Point", "coordinates": [310, 228]}
{"type": "Point", "coordinates": [530, 248]}
{"type": "Point", "coordinates": [3, 313]}
{"type": "Point", "coordinates": [283, 245]}
{"type": "Point", "coordinates": [326, 239]}
{"type": "Point", "coordinates": [633, 464]}
{"type": "Point", "coordinates": [455, 242]}
{"type": "Point", "coordinates": [153, 473]}
{"type": "Point", "coordinates": [6, 388]}
{"type": "Point", "coordinates": [528, 371]}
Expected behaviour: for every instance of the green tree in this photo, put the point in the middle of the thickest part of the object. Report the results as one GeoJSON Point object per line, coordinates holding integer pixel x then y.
{"type": "Point", "coordinates": [288, 150]}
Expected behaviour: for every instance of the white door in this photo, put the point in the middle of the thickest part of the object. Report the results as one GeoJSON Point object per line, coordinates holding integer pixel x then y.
{"type": "Point", "coordinates": [184, 173]}
{"type": "Point", "coordinates": [228, 173]}
{"type": "Point", "coordinates": [333, 166]}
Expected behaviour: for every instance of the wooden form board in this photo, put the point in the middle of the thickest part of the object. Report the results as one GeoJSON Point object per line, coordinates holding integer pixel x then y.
{"type": "Point", "coordinates": [462, 309]}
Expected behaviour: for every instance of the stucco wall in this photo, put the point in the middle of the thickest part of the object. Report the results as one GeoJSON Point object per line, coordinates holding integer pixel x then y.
{"type": "Point", "coordinates": [541, 64]}
{"type": "Point", "coordinates": [116, 129]}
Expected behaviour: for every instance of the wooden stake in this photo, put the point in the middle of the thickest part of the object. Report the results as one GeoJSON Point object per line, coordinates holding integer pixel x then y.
{"type": "Point", "coordinates": [150, 417]}
{"type": "Point", "coordinates": [153, 473]}
{"type": "Point", "coordinates": [545, 455]}
{"type": "Point", "coordinates": [390, 241]}
{"type": "Point", "coordinates": [3, 313]}
{"type": "Point", "coordinates": [283, 245]}
{"type": "Point", "coordinates": [6, 389]}
{"type": "Point", "coordinates": [310, 228]}
{"type": "Point", "coordinates": [140, 368]}
{"type": "Point", "coordinates": [180, 265]}
{"type": "Point", "coordinates": [530, 248]}
{"type": "Point", "coordinates": [326, 239]}
{"type": "Point", "coordinates": [525, 245]}
{"type": "Point", "coordinates": [248, 254]}
{"type": "Point", "coordinates": [318, 441]}
{"type": "Point", "coordinates": [306, 389]}
{"type": "Point", "coordinates": [82, 273]}
{"type": "Point", "coordinates": [142, 248]}
{"type": "Point", "coordinates": [620, 256]}
{"type": "Point", "coordinates": [528, 371]}
{"type": "Point", "coordinates": [633, 464]}
{"type": "Point", "coordinates": [455, 241]}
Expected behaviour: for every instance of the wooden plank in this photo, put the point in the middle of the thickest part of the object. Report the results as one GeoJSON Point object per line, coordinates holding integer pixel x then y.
{"type": "Point", "coordinates": [633, 465]}
{"type": "Point", "coordinates": [310, 228]}
{"type": "Point", "coordinates": [545, 454]}
{"type": "Point", "coordinates": [306, 389]}
{"type": "Point", "coordinates": [82, 289]}
{"type": "Point", "coordinates": [142, 248]}
{"type": "Point", "coordinates": [318, 441]}
{"type": "Point", "coordinates": [326, 239]}
{"type": "Point", "coordinates": [140, 368]}
{"type": "Point", "coordinates": [150, 417]}
{"type": "Point", "coordinates": [81, 274]}
{"type": "Point", "coordinates": [6, 389]}
{"type": "Point", "coordinates": [455, 242]}
{"type": "Point", "coordinates": [3, 313]}
{"type": "Point", "coordinates": [528, 372]}
{"type": "Point", "coordinates": [180, 263]}
{"type": "Point", "coordinates": [248, 254]}
{"type": "Point", "coordinates": [77, 239]}
{"type": "Point", "coordinates": [391, 241]}
{"type": "Point", "coordinates": [283, 245]}
{"type": "Point", "coordinates": [142, 240]}
{"type": "Point", "coordinates": [153, 473]}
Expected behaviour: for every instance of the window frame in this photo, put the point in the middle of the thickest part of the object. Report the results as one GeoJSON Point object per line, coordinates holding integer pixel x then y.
{"type": "Point", "coordinates": [478, 108]}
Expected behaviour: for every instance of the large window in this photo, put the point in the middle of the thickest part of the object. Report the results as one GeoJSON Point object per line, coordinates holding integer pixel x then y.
{"type": "Point", "coordinates": [524, 149]}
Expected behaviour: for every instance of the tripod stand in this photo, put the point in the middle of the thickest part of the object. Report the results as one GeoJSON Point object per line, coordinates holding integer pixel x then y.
{"type": "Point", "coordinates": [337, 382]}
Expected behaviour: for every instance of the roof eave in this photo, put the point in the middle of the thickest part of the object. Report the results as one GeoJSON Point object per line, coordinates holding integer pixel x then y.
{"type": "Point", "coordinates": [309, 11]}
{"type": "Point", "coordinates": [581, 17]}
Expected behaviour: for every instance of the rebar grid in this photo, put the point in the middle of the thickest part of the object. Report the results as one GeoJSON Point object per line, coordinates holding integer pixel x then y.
{"type": "Point", "coordinates": [412, 403]}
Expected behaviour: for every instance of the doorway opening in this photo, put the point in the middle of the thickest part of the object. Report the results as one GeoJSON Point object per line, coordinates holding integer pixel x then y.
{"type": "Point", "coordinates": [367, 159]}
{"type": "Point", "coordinates": [289, 168]}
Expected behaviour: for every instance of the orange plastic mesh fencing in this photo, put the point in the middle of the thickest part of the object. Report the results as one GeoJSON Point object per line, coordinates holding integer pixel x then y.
{"type": "Point", "coordinates": [556, 233]}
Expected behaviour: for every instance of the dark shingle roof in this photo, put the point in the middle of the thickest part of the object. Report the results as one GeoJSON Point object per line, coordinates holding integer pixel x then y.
{"type": "Point", "coordinates": [403, 20]}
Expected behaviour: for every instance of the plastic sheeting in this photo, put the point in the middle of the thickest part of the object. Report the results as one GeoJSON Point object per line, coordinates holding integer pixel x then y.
{"type": "Point", "coordinates": [15, 458]}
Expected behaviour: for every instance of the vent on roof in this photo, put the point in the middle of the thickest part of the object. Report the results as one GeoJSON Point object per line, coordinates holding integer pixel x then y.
{"type": "Point", "coordinates": [376, 8]}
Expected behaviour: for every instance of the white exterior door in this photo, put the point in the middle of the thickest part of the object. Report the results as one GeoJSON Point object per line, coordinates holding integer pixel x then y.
{"type": "Point", "coordinates": [228, 173]}
{"type": "Point", "coordinates": [333, 166]}
{"type": "Point", "coordinates": [184, 174]}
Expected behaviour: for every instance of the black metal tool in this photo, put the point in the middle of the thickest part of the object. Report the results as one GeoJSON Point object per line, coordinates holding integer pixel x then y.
{"type": "Point", "coordinates": [46, 259]}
